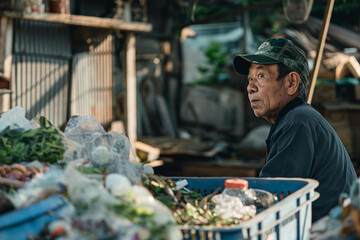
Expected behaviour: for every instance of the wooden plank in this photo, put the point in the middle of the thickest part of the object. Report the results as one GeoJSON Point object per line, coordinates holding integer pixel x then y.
{"type": "Point", "coordinates": [353, 66]}
{"type": "Point", "coordinates": [146, 152]}
{"type": "Point", "coordinates": [8, 49]}
{"type": "Point", "coordinates": [155, 163]}
{"type": "Point", "coordinates": [79, 20]}
{"type": "Point", "coordinates": [177, 146]}
{"type": "Point", "coordinates": [129, 51]}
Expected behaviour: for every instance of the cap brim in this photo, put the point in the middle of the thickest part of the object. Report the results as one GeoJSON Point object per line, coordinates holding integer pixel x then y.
{"type": "Point", "coordinates": [242, 62]}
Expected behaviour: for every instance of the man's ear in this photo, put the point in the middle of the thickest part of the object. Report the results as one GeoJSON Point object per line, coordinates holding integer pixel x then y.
{"type": "Point", "coordinates": [293, 83]}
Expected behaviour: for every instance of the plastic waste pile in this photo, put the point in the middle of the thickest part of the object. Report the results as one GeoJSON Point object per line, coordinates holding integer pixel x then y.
{"type": "Point", "coordinates": [110, 194]}
{"type": "Point", "coordinates": [98, 175]}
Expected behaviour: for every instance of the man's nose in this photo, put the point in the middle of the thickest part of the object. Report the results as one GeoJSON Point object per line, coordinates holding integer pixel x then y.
{"type": "Point", "coordinates": [251, 88]}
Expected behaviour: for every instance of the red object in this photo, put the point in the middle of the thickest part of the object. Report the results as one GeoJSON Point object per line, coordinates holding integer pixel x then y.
{"type": "Point", "coordinates": [58, 231]}
{"type": "Point", "coordinates": [236, 183]}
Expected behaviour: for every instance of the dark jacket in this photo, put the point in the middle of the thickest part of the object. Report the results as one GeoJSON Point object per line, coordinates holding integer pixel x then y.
{"type": "Point", "coordinates": [302, 144]}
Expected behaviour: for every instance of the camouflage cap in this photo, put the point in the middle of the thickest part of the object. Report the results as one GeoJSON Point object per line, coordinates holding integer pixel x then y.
{"type": "Point", "coordinates": [272, 51]}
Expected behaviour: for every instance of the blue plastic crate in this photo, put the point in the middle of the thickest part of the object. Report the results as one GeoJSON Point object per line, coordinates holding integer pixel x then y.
{"type": "Point", "coordinates": [288, 219]}
{"type": "Point", "coordinates": [31, 220]}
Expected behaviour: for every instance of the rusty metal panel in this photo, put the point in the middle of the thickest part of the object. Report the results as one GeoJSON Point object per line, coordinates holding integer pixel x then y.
{"type": "Point", "coordinates": [92, 80]}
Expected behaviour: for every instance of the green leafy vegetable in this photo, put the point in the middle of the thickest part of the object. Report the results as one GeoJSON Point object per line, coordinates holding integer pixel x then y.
{"type": "Point", "coordinates": [43, 144]}
{"type": "Point", "coordinates": [141, 216]}
{"type": "Point", "coordinates": [89, 170]}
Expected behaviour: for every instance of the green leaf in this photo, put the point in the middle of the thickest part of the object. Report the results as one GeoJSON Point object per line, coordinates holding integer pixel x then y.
{"type": "Point", "coordinates": [166, 199]}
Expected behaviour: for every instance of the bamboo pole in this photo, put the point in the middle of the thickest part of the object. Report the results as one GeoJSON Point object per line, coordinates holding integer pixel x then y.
{"type": "Point", "coordinates": [320, 49]}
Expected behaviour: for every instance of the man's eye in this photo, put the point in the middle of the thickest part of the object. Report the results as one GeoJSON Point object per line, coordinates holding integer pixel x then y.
{"type": "Point", "coordinates": [260, 76]}
{"type": "Point", "coordinates": [249, 79]}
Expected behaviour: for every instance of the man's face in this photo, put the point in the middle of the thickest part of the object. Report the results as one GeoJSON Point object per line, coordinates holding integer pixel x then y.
{"type": "Point", "coordinates": [267, 95]}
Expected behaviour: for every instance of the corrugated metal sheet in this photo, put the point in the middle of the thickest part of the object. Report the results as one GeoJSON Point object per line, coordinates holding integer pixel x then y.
{"type": "Point", "coordinates": [42, 38]}
{"type": "Point", "coordinates": [92, 80]}
{"type": "Point", "coordinates": [40, 86]}
{"type": "Point", "coordinates": [40, 73]}
{"type": "Point", "coordinates": [40, 69]}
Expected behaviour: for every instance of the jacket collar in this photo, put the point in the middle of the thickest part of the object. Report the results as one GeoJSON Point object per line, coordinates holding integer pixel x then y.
{"type": "Point", "coordinates": [291, 105]}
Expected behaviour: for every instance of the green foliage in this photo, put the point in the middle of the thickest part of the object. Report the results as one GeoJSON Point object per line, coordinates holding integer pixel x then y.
{"type": "Point", "coordinates": [345, 12]}
{"type": "Point", "coordinates": [204, 12]}
{"type": "Point", "coordinates": [89, 170]}
{"type": "Point", "coordinates": [141, 216]}
{"type": "Point", "coordinates": [216, 58]}
{"type": "Point", "coordinates": [43, 144]}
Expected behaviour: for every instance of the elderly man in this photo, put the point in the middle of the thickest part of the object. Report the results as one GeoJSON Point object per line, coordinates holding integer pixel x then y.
{"type": "Point", "coordinates": [301, 143]}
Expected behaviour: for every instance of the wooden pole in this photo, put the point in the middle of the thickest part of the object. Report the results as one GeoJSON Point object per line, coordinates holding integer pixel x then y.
{"type": "Point", "coordinates": [130, 87]}
{"type": "Point", "coordinates": [6, 44]}
{"type": "Point", "coordinates": [320, 49]}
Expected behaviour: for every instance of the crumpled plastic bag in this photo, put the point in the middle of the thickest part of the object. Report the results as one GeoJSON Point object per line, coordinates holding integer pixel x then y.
{"type": "Point", "coordinates": [109, 151]}
{"type": "Point", "coordinates": [14, 118]}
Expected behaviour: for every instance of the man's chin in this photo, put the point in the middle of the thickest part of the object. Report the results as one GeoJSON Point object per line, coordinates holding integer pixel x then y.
{"type": "Point", "coordinates": [259, 115]}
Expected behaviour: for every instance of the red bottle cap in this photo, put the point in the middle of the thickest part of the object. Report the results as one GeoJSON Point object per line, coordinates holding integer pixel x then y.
{"type": "Point", "coordinates": [236, 183]}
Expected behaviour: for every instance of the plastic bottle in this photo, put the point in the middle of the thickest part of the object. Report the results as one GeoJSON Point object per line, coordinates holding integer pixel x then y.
{"type": "Point", "coordinates": [238, 201]}
{"type": "Point", "coordinates": [240, 187]}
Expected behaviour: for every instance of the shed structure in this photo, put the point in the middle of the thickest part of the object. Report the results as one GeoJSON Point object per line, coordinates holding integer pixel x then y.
{"type": "Point", "coordinates": [48, 78]}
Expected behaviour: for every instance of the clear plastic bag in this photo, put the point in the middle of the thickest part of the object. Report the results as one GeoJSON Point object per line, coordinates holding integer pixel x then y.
{"type": "Point", "coordinates": [239, 201]}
